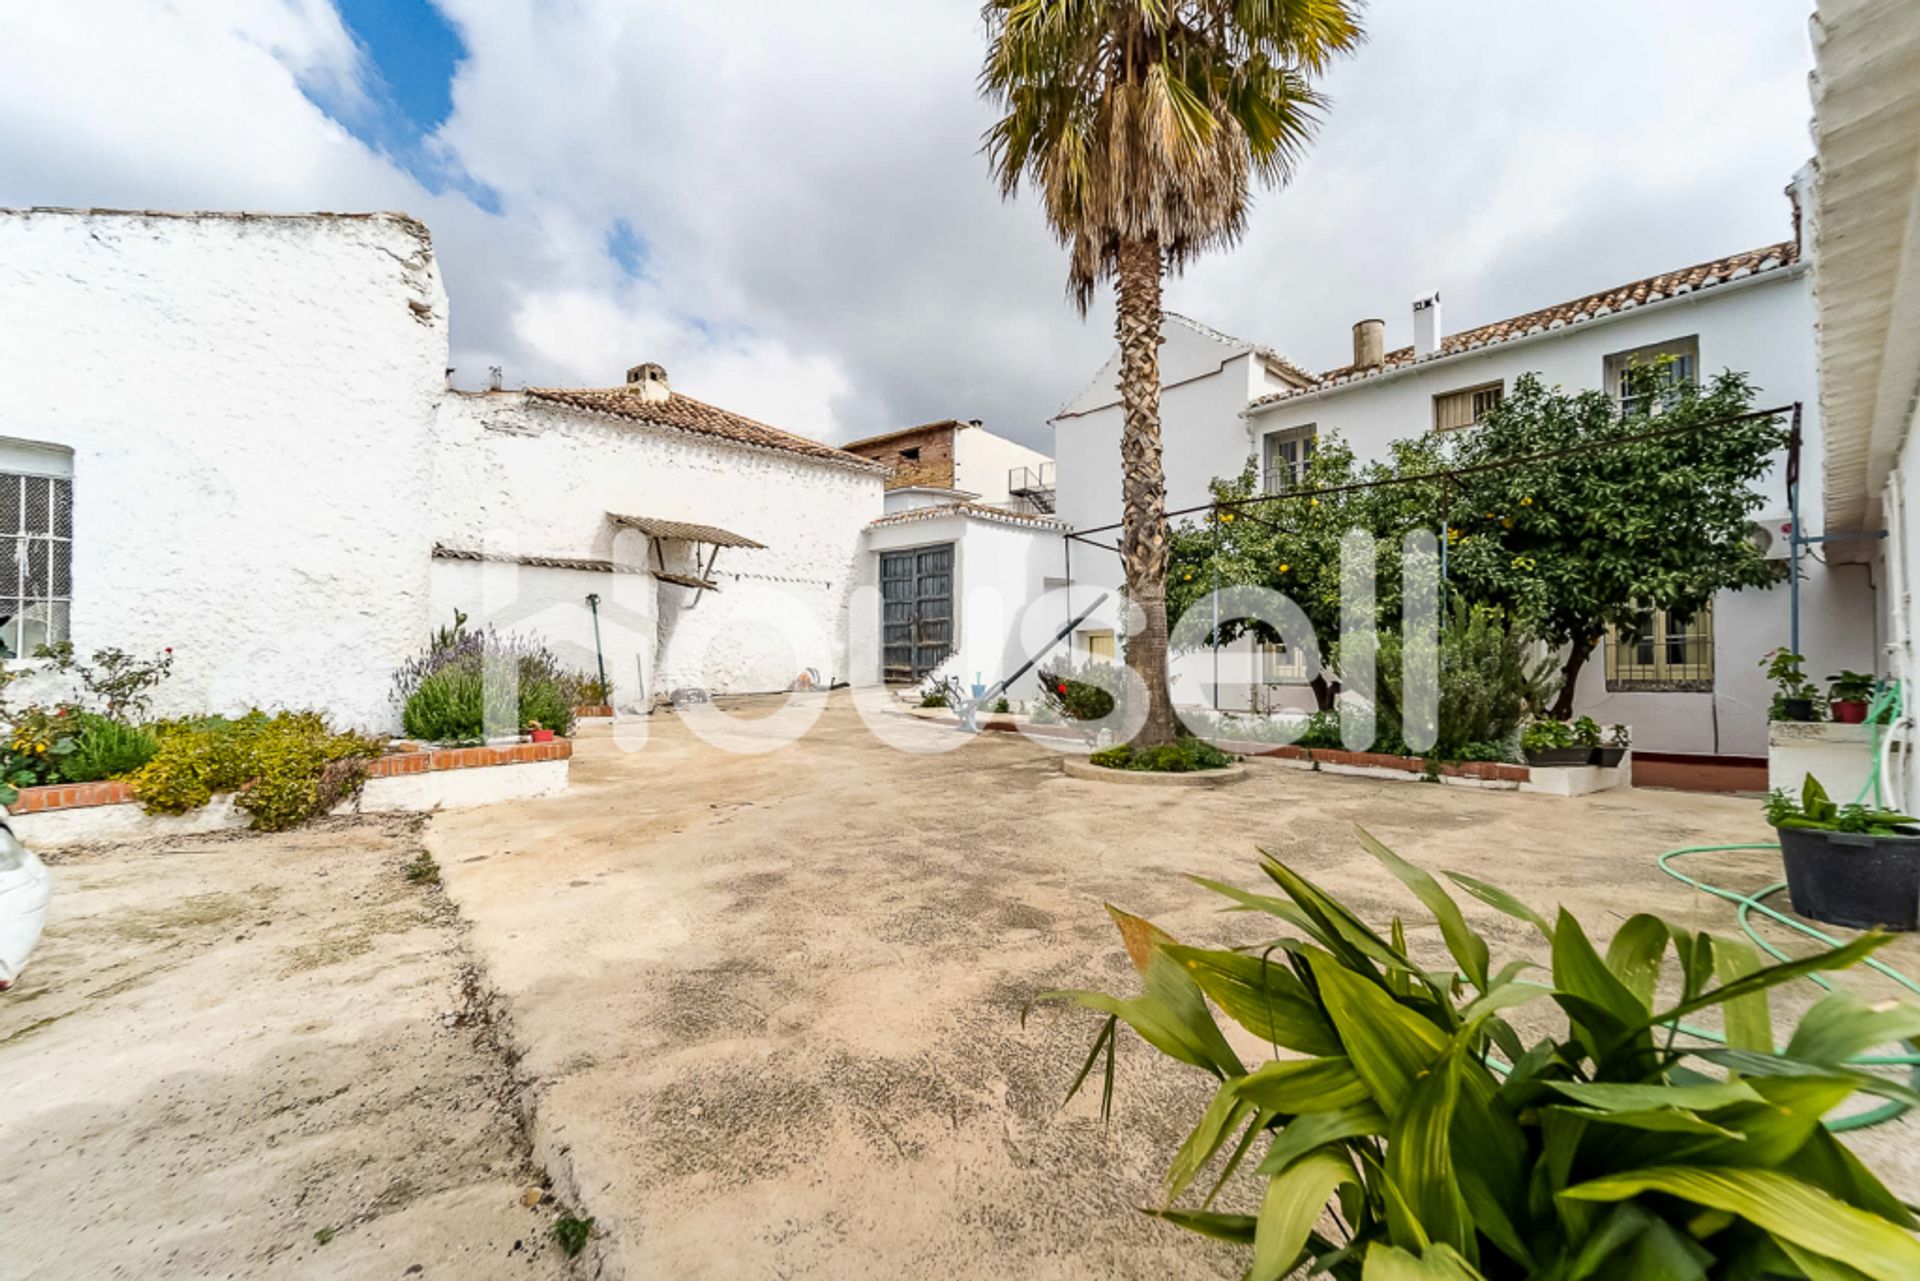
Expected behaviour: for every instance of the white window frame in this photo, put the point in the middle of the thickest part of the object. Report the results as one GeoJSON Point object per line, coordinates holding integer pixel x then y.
{"type": "Point", "coordinates": [36, 550]}
{"type": "Point", "coordinates": [1684, 350]}
{"type": "Point", "coordinates": [1478, 399]}
{"type": "Point", "coordinates": [1305, 438]}
{"type": "Point", "coordinates": [1280, 665]}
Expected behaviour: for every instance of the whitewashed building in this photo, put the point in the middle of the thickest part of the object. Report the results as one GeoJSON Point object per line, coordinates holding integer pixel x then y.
{"type": "Point", "coordinates": [1866, 234]}
{"type": "Point", "coordinates": [1693, 687]}
{"type": "Point", "coordinates": [231, 434]}
{"type": "Point", "coordinates": [963, 555]}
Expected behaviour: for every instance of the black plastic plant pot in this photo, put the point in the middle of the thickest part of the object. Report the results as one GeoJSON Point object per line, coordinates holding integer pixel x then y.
{"type": "Point", "coordinates": [1797, 709]}
{"type": "Point", "coordinates": [1552, 756]}
{"type": "Point", "coordinates": [1850, 879]}
{"type": "Point", "coordinates": [1609, 757]}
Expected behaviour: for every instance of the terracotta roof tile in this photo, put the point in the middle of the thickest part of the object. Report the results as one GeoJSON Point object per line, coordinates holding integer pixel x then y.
{"type": "Point", "coordinates": [1653, 289]}
{"type": "Point", "coordinates": [683, 413]}
{"type": "Point", "coordinates": [979, 511]}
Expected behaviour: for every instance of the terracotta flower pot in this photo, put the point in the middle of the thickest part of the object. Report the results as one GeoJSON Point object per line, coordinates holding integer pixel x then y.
{"type": "Point", "coordinates": [1850, 711]}
{"type": "Point", "coordinates": [540, 735]}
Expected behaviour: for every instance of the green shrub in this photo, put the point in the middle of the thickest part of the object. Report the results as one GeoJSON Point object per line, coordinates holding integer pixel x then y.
{"type": "Point", "coordinates": [1402, 1103]}
{"type": "Point", "coordinates": [1547, 736]}
{"type": "Point", "coordinates": [105, 749]}
{"type": "Point", "coordinates": [285, 769]}
{"type": "Point", "coordinates": [1181, 756]}
{"type": "Point", "coordinates": [469, 684]}
{"type": "Point", "coordinates": [1488, 680]}
{"type": "Point", "coordinates": [935, 697]}
{"type": "Point", "coordinates": [1086, 694]}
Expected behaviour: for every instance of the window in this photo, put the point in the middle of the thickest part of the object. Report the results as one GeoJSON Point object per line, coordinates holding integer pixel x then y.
{"type": "Point", "coordinates": [911, 455]}
{"type": "Point", "coordinates": [1099, 645]}
{"type": "Point", "coordinates": [1670, 653]}
{"type": "Point", "coordinates": [1285, 457]}
{"type": "Point", "coordinates": [1280, 665]}
{"type": "Point", "coordinates": [1677, 362]}
{"type": "Point", "coordinates": [1466, 407]}
{"type": "Point", "coordinates": [36, 561]}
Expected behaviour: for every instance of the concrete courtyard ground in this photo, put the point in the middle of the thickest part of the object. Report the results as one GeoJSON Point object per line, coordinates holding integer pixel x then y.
{"type": "Point", "coordinates": [772, 1003]}
{"type": "Point", "coordinates": [758, 1014]}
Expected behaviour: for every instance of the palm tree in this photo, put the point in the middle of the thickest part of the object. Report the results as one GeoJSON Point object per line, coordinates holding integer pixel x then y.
{"type": "Point", "coordinates": [1143, 122]}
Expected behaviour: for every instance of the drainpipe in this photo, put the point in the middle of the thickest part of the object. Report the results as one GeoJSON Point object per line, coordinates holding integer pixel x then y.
{"type": "Point", "coordinates": [600, 659]}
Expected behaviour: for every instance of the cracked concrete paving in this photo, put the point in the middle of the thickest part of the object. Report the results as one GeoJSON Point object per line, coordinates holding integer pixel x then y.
{"type": "Point", "coordinates": [772, 1003]}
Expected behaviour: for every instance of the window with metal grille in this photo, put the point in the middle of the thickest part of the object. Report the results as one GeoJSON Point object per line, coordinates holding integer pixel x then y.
{"type": "Point", "coordinates": [1669, 652]}
{"type": "Point", "coordinates": [36, 562]}
{"type": "Point", "coordinates": [1676, 363]}
{"type": "Point", "coordinates": [1455, 410]}
{"type": "Point", "coordinates": [1285, 457]}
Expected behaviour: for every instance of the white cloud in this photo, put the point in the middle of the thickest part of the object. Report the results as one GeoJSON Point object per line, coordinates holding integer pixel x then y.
{"type": "Point", "coordinates": [823, 247]}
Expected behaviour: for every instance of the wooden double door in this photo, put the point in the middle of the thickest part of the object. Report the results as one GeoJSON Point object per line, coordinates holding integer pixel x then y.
{"type": "Point", "coordinates": [916, 611]}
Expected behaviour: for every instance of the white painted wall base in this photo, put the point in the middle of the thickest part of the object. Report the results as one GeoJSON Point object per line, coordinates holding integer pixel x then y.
{"type": "Point", "coordinates": [1578, 780]}
{"type": "Point", "coordinates": [1840, 756]}
{"type": "Point", "coordinates": [407, 793]}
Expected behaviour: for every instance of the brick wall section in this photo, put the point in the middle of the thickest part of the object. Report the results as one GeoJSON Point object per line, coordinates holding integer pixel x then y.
{"type": "Point", "coordinates": [69, 796]}
{"type": "Point", "coordinates": [934, 467]}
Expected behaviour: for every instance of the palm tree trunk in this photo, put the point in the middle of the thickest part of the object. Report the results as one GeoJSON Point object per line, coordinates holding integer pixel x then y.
{"type": "Point", "coordinates": [1143, 486]}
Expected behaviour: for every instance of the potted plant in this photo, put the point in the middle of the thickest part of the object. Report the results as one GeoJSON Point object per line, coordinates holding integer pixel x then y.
{"type": "Point", "coordinates": [1849, 693]}
{"type": "Point", "coordinates": [1552, 743]}
{"type": "Point", "coordinates": [1614, 750]}
{"type": "Point", "coordinates": [1795, 697]}
{"type": "Point", "coordinates": [538, 733]}
{"type": "Point", "coordinates": [1586, 733]}
{"type": "Point", "coordinates": [1847, 864]}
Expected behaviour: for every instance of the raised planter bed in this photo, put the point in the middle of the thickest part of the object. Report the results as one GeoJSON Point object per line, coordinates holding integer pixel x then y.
{"type": "Point", "coordinates": [1076, 768]}
{"type": "Point", "coordinates": [408, 778]}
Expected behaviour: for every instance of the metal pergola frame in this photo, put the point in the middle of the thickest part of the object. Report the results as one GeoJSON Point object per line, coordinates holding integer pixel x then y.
{"type": "Point", "coordinates": [1449, 476]}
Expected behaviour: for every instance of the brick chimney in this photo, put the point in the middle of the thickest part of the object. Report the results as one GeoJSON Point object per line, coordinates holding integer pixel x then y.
{"type": "Point", "coordinates": [1426, 325]}
{"type": "Point", "coordinates": [1370, 344]}
{"type": "Point", "coordinates": [649, 382]}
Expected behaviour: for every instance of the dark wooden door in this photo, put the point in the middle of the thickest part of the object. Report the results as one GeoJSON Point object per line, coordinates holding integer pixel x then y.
{"type": "Point", "coordinates": [916, 604]}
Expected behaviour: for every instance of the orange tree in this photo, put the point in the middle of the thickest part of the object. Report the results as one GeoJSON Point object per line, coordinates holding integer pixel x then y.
{"type": "Point", "coordinates": [1578, 519]}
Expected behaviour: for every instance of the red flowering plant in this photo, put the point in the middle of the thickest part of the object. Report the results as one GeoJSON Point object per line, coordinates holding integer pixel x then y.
{"type": "Point", "coordinates": [1083, 693]}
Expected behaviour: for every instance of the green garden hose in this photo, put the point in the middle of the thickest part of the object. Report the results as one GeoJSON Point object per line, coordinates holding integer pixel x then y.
{"type": "Point", "coordinates": [1747, 905]}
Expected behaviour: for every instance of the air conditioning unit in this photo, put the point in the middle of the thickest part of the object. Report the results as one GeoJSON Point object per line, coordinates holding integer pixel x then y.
{"type": "Point", "coordinates": [1773, 535]}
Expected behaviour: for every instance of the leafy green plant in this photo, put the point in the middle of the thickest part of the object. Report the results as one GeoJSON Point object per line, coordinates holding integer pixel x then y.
{"type": "Point", "coordinates": [1813, 809]}
{"type": "Point", "coordinates": [284, 769]}
{"type": "Point", "coordinates": [1402, 1102]}
{"type": "Point", "coordinates": [935, 697]}
{"type": "Point", "coordinates": [1487, 679]}
{"type": "Point", "coordinates": [40, 739]}
{"type": "Point", "coordinates": [572, 1233]}
{"type": "Point", "coordinates": [1182, 756]}
{"type": "Point", "coordinates": [1619, 736]}
{"type": "Point", "coordinates": [104, 749]}
{"type": "Point", "coordinates": [1079, 693]}
{"type": "Point", "coordinates": [1586, 732]}
{"type": "Point", "coordinates": [473, 682]}
{"type": "Point", "coordinates": [1850, 687]}
{"type": "Point", "coordinates": [120, 684]}
{"type": "Point", "coordinates": [1783, 668]}
{"type": "Point", "coordinates": [1001, 707]}
{"type": "Point", "coordinates": [1546, 736]}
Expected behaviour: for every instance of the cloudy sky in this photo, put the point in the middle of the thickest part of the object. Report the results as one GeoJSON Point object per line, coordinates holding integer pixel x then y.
{"type": "Point", "coordinates": [785, 203]}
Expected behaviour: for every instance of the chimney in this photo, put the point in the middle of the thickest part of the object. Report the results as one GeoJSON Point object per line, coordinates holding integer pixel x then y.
{"type": "Point", "coordinates": [1426, 325]}
{"type": "Point", "coordinates": [1370, 344]}
{"type": "Point", "coordinates": [649, 382]}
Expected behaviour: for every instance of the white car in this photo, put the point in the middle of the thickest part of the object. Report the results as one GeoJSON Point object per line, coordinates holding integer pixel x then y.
{"type": "Point", "coordinates": [26, 886]}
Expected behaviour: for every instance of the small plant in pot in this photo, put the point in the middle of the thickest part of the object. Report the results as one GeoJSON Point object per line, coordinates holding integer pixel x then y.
{"type": "Point", "coordinates": [1614, 750]}
{"type": "Point", "coordinates": [1795, 697]}
{"type": "Point", "coordinates": [1848, 864]}
{"type": "Point", "coordinates": [538, 733]}
{"type": "Point", "coordinates": [1552, 743]}
{"type": "Point", "coordinates": [1849, 693]}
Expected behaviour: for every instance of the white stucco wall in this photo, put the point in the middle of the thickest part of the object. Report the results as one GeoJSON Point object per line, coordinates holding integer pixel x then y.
{"type": "Point", "coordinates": [1000, 576]}
{"type": "Point", "coordinates": [516, 476]}
{"type": "Point", "coordinates": [1762, 326]}
{"type": "Point", "coordinates": [249, 402]}
{"type": "Point", "coordinates": [982, 460]}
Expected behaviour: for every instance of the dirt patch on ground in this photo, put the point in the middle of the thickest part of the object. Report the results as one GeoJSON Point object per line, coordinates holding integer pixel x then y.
{"type": "Point", "coordinates": [229, 1048]}
{"type": "Point", "coordinates": [773, 1003]}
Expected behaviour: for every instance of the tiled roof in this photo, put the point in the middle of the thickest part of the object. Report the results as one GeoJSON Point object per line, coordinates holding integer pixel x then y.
{"type": "Point", "coordinates": [1672, 284]}
{"type": "Point", "coordinates": [684, 531]}
{"type": "Point", "coordinates": [683, 413]}
{"type": "Point", "coordinates": [900, 433]}
{"type": "Point", "coordinates": [977, 511]}
{"type": "Point", "coordinates": [587, 564]}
